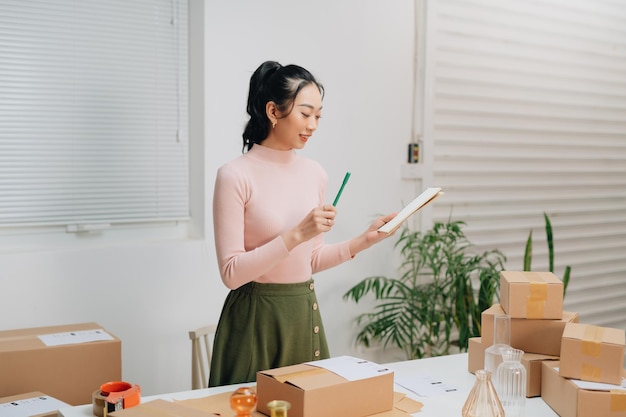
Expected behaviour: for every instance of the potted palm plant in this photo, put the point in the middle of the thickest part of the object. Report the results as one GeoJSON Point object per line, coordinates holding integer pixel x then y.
{"type": "Point", "coordinates": [437, 300]}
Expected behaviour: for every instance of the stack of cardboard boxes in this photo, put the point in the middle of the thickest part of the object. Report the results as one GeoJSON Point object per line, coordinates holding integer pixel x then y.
{"type": "Point", "coordinates": [534, 301]}
{"type": "Point", "coordinates": [57, 364]}
{"type": "Point", "coordinates": [558, 349]}
{"type": "Point", "coordinates": [587, 380]}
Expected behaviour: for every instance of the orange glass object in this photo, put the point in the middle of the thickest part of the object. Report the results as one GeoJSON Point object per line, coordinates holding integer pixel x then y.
{"type": "Point", "coordinates": [483, 401]}
{"type": "Point", "coordinates": [243, 401]}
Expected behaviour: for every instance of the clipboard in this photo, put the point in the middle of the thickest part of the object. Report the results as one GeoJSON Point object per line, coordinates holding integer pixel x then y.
{"type": "Point", "coordinates": [422, 200]}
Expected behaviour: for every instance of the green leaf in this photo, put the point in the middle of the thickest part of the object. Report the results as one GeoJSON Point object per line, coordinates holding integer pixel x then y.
{"type": "Point", "coordinates": [550, 242]}
{"type": "Point", "coordinates": [434, 297]}
{"type": "Point", "coordinates": [528, 252]}
{"type": "Point", "coordinates": [566, 279]}
{"type": "Point", "coordinates": [549, 239]}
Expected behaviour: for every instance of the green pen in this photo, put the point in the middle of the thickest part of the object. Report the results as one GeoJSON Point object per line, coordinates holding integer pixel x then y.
{"type": "Point", "coordinates": [343, 184]}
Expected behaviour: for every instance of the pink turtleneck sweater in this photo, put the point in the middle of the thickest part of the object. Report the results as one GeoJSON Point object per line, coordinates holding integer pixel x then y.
{"type": "Point", "coordinates": [257, 197]}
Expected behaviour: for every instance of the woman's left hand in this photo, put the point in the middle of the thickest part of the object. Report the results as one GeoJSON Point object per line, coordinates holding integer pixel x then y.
{"type": "Point", "coordinates": [371, 236]}
{"type": "Point", "coordinates": [372, 232]}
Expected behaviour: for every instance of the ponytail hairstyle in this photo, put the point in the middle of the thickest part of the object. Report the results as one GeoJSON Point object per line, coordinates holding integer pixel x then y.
{"type": "Point", "coordinates": [272, 82]}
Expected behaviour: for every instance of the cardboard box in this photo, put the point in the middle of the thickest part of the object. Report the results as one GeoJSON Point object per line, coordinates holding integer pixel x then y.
{"type": "Point", "coordinates": [475, 355]}
{"type": "Point", "coordinates": [69, 372]}
{"type": "Point", "coordinates": [163, 408]}
{"type": "Point", "coordinates": [592, 353]}
{"type": "Point", "coordinates": [530, 335]}
{"type": "Point", "coordinates": [568, 400]}
{"type": "Point", "coordinates": [531, 295]}
{"type": "Point", "coordinates": [317, 392]}
{"type": "Point", "coordinates": [533, 364]}
{"type": "Point", "coordinates": [32, 404]}
{"type": "Point", "coordinates": [531, 361]}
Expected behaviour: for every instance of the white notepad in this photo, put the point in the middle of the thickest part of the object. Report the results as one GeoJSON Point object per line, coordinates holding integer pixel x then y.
{"type": "Point", "coordinates": [429, 195]}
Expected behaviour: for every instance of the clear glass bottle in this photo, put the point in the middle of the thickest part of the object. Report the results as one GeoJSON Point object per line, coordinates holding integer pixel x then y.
{"type": "Point", "coordinates": [501, 341]}
{"type": "Point", "coordinates": [511, 382]}
{"type": "Point", "coordinates": [483, 400]}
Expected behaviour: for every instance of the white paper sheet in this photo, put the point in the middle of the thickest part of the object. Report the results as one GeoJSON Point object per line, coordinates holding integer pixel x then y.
{"type": "Point", "coordinates": [597, 386]}
{"type": "Point", "coordinates": [31, 406]}
{"type": "Point", "coordinates": [425, 386]}
{"type": "Point", "coordinates": [351, 368]}
{"type": "Point", "coordinates": [70, 338]}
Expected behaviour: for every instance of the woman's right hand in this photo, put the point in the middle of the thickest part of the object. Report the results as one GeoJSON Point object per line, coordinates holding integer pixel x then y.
{"type": "Point", "coordinates": [318, 220]}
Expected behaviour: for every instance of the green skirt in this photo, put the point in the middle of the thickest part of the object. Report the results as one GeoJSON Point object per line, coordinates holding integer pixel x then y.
{"type": "Point", "coordinates": [266, 326]}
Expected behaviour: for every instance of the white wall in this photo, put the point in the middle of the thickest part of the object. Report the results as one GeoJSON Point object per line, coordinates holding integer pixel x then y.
{"type": "Point", "coordinates": [150, 293]}
{"type": "Point", "coordinates": [363, 54]}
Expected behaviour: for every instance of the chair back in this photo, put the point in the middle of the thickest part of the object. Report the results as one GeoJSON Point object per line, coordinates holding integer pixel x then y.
{"type": "Point", "coordinates": [201, 350]}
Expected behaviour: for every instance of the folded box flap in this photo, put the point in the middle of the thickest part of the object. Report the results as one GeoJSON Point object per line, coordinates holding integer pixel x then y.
{"type": "Point", "coordinates": [529, 276]}
{"type": "Point", "coordinates": [320, 378]}
{"type": "Point", "coordinates": [162, 408]}
{"type": "Point", "coordinates": [286, 370]}
{"type": "Point", "coordinates": [304, 376]}
{"type": "Point", "coordinates": [570, 316]}
{"type": "Point", "coordinates": [538, 357]}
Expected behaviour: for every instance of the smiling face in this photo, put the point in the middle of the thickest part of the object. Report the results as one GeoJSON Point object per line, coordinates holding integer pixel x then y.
{"type": "Point", "coordinates": [294, 127]}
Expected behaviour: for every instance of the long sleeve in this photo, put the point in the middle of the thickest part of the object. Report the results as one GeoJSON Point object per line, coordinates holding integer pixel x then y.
{"type": "Point", "coordinates": [237, 264]}
{"type": "Point", "coordinates": [256, 198]}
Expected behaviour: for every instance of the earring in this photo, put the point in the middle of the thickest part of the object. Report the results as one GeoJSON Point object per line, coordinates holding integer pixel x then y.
{"type": "Point", "coordinates": [273, 125]}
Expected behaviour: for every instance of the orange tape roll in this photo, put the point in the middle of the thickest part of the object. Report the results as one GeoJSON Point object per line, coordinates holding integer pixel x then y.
{"type": "Point", "coordinates": [114, 396]}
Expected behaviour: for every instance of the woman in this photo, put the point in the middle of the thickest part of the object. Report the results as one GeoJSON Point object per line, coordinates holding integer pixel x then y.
{"type": "Point", "coordinates": [269, 215]}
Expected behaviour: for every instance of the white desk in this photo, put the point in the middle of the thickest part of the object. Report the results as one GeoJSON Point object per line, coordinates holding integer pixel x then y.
{"type": "Point", "coordinates": [451, 370]}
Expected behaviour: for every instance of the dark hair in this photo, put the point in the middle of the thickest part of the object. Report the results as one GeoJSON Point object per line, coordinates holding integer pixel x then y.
{"type": "Point", "coordinates": [272, 82]}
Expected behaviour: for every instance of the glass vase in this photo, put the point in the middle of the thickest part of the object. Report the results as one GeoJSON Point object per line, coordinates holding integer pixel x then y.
{"type": "Point", "coordinates": [278, 408]}
{"type": "Point", "coordinates": [511, 382]}
{"type": "Point", "coordinates": [501, 341]}
{"type": "Point", "coordinates": [243, 401]}
{"type": "Point", "coordinates": [483, 400]}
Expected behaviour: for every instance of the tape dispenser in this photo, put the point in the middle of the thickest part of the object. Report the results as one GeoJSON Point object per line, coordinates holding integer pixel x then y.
{"type": "Point", "coordinates": [114, 396]}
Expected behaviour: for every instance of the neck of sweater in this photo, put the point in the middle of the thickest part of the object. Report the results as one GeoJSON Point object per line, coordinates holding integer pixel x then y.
{"type": "Point", "coordinates": [272, 155]}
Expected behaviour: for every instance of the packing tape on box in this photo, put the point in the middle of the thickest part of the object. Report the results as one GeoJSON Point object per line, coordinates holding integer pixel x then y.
{"type": "Point", "coordinates": [536, 301]}
{"type": "Point", "coordinates": [590, 373]}
{"type": "Point", "coordinates": [114, 396]}
{"type": "Point", "coordinates": [592, 341]}
{"type": "Point", "coordinates": [591, 346]}
{"type": "Point", "coordinates": [618, 401]}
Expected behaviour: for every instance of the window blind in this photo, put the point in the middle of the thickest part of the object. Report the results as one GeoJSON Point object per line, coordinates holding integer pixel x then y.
{"type": "Point", "coordinates": [527, 114]}
{"type": "Point", "coordinates": [93, 112]}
